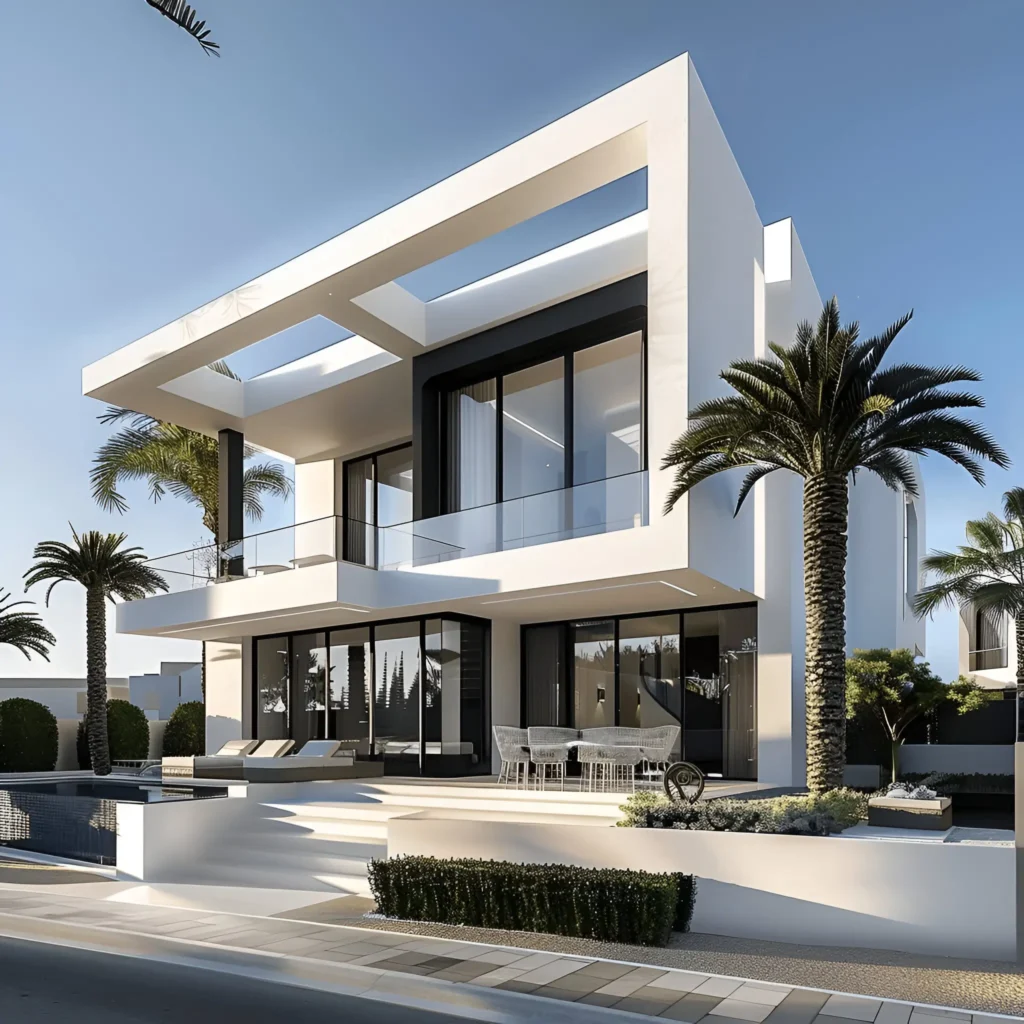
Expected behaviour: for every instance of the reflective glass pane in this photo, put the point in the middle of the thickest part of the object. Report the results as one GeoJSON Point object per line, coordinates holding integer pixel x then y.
{"type": "Point", "coordinates": [738, 650]}
{"type": "Point", "coordinates": [350, 688]}
{"type": "Point", "coordinates": [607, 409]}
{"type": "Point", "coordinates": [533, 430]}
{"type": "Point", "coordinates": [544, 674]}
{"type": "Point", "coordinates": [702, 700]}
{"type": "Point", "coordinates": [471, 455]}
{"type": "Point", "coordinates": [309, 687]}
{"type": "Point", "coordinates": [594, 675]}
{"type": "Point", "coordinates": [396, 691]}
{"type": "Point", "coordinates": [650, 682]}
{"type": "Point", "coordinates": [272, 688]}
{"type": "Point", "coordinates": [394, 487]}
{"type": "Point", "coordinates": [454, 725]}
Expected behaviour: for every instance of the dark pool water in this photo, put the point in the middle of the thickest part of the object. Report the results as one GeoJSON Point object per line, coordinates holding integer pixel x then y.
{"type": "Point", "coordinates": [129, 792]}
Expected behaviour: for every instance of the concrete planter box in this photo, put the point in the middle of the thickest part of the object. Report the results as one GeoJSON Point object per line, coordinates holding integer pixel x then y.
{"type": "Point", "coordinates": [934, 815]}
{"type": "Point", "coordinates": [936, 898]}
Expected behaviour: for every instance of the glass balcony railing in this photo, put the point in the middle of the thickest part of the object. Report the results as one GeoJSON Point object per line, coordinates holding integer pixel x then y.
{"type": "Point", "coordinates": [603, 506]}
{"type": "Point", "coordinates": [989, 658]}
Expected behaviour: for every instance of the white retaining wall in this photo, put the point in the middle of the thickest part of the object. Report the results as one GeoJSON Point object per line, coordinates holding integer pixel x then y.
{"type": "Point", "coordinates": [936, 898]}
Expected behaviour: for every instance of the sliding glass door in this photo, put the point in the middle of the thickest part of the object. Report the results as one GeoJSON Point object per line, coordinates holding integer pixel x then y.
{"type": "Point", "coordinates": [696, 669]}
{"type": "Point", "coordinates": [378, 492]}
{"type": "Point", "coordinates": [413, 693]}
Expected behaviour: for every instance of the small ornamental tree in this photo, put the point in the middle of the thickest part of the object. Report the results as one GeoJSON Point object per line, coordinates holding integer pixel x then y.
{"type": "Point", "coordinates": [896, 689]}
{"type": "Point", "coordinates": [127, 733]}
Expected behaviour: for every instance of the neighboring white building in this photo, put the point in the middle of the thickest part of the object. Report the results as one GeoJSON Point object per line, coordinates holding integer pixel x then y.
{"type": "Point", "coordinates": [988, 648]}
{"type": "Point", "coordinates": [478, 494]}
{"type": "Point", "coordinates": [159, 693]}
{"type": "Point", "coordinates": [64, 697]}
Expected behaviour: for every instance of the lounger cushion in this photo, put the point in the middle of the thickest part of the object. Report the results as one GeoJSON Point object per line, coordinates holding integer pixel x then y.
{"type": "Point", "coordinates": [319, 748]}
{"type": "Point", "coordinates": [273, 748]}
{"type": "Point", "coordinates": [237, 748]}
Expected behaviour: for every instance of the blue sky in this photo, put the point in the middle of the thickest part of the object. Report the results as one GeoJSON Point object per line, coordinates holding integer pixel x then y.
{"type": "Point", "coordinates": [141, 178]}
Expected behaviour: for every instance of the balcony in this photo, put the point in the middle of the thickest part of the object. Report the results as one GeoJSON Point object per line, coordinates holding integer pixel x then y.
{"type": "Point", "coordinates": [989, 658]}
{"type": "Point", "coordinates": [603, 506]}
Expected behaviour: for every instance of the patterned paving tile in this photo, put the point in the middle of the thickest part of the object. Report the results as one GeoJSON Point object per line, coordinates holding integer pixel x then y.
{"type": "Point", "coordinates": [679, 981]}
{"type": "Point", "coordinates": [597, 999]}
{"type": "Point", "coordinates": [741, 1009]}
{"type": "Point", "coordinates": [927, 1011]}
{"type": "Point", "coordinates": [548, 973]}
{"type": "Point", "coordinates": [851, 1007]}
{"type": "Point", "coordinates": [692, 1007]}
{"type": "Point", "coordinates": [720, 987]}
{"type": "Point", "coordinates": [893, 1013]}
{"type": "Point", "coordinates": [496, 977]}
{"type": "Point", "coordinates": [799, 1007]}
{"type": "Point", "coordinates": [606, 969]}
{"type": "Point", "coordinates": [499, 957]}
{"type": "Point", "coordinates": [752, 992]}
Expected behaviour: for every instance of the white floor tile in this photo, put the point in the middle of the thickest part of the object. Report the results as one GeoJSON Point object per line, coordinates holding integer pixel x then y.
{"type": "Point", "coordinates": [718, 987]}
{"type": "Point", "coordinates": [679, 981]}
{"type": "Point", "coordinates": [752, 992]}
{"type": "Point", "coordinates": [852, 1007]}
{"type": "Point", "coordinates": [739, 1009]}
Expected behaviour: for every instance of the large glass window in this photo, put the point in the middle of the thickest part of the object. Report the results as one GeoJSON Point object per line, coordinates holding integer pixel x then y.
{"type": "Point", "coordinates": [351, 684]}
{"type": "Point", "coordinates": [533, 430]}
{"type": "Point", "coordinates": [359, 531]}
{"type": "Point", "coordinates": [453, 713]}
{"type": "Point", "coordinates": [650, 683]}
{"type": "Point", "coordinates": [396, 691]}
{"type": "Point", "coordinates": [594, 674]}
{"type": "Point", "coordinates": [394, 486]}
{"type": "Point", "coordinates": [607, 409]}
{"type": "Point", "coordinates": [272, 688]}
{"type": "Point", "coordinates": [694, 669]}
{"type": "Point", "coordinates": [309, 688]}
{"type": "Point", "coordinates": [471, 458]}
{"type": "Point", "coordinates": [378, 492]}
{"type": "Point", "coordinates": [364, 686]}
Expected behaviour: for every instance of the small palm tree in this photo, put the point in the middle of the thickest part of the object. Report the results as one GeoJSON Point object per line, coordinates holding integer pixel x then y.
{"type": "Point", "coordinates": [823, 409]}
{"type": "Point", "coordinates": [106, 570]}
{"type": "Point", "coordinates": [185, 17]}
{"type": "Point", "coordinates": [987, 574]}
{"type": "Point", "coordinates": [23, 630]}
{"type": "Point", "coordinates": [178, 461]}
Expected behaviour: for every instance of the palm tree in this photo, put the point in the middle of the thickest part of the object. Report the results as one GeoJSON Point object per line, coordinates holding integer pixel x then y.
{"type": "Point", "coordinates": [98, 563]}
{"type": "Point", "coordinates": [185, 17]}
{"type": "Point", "coordinates": [823, 409]}
{"type": "Point", "coordinates": [23, 630]}
{"type": "Point", "coordinates": [986, 574]}
{"type": "Point", "coordinates": [178, 461]}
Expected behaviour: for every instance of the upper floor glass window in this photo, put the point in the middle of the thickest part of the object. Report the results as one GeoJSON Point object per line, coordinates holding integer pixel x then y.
{"type": "Point", "coordinates": [574, 419]}
{"type": "Point", "coordinates": [378, 491]}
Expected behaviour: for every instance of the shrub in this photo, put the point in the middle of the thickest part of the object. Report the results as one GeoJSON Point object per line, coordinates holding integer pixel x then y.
{"type": "Point", "coordinates": [634, 810]}
{"type": "Point", "coordinates": [185, 735]}
{"type": "Point", "coordinates": [28, 736]}
{"type": "Point", "coordinates": [127, 734]}
{"type": "Point", "coordinates": [610, 904]}
{"type": "Point", "coordinates": [785, 815]}
{"type": "Point", "coordinates": [951, 783]}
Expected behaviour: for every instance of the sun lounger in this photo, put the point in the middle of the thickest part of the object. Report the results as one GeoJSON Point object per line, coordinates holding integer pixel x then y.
{"type": "Point", "coordinates": [317, 760]}
{"type": "Point", "coordinates": [226, 763]}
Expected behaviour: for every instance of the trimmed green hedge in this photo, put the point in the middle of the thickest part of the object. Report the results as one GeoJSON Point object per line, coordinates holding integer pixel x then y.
{"type": "Point", "coordinates": [185, 735]}
{"type": "Point", "coordinates": [615, 905]}
{"type": "Point", "coordinates": [127, 734]}
{"type": "Point", "coordinates": [28, 736]}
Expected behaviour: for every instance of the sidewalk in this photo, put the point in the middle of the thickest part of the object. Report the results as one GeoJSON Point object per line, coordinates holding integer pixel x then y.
{"type": "Point", "coordinates": [482, 980]}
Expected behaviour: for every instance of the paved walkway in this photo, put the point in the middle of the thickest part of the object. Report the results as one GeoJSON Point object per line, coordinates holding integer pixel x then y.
{"type": "Point", "coordinates": [656, 992]}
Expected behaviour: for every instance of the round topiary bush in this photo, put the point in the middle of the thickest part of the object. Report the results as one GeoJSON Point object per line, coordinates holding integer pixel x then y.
{"type": "Point", "coordinates": [185, 735]}
{"type": "Point", "coordinates": [28, 736]}
{"type": "Point", "coordinates": [127, 734]}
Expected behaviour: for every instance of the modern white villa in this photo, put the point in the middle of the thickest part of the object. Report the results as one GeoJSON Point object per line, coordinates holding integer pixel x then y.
{"type": "Point", "coordinates": [480, 533]}
{"type": "Point", "coordinates": [988, 648]}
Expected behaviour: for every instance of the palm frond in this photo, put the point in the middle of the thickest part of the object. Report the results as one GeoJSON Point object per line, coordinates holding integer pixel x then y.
{"type": "Point", "coordinates": [185, 18]}
{"type": "Point", "coordinates": [23, 630]}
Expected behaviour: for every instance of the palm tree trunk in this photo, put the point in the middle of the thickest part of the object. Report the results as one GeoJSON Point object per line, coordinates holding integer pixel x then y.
{"type": "Point", "coordinates": [96, 678]}
{"type": "Point", "coordinates": [826, 511]}
{"type": "Point", "coordinates": [1019, 623]}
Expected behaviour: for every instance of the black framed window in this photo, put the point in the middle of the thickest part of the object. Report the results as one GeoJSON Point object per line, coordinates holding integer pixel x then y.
{"type": "Point", "coordinates": [411, 692]}
{"type": "Point", "coordinates": [695, 668]}
{"type": "Point", "coordinates": [377, 491]}
{"type": "Point", "coordinates": [578, 418]}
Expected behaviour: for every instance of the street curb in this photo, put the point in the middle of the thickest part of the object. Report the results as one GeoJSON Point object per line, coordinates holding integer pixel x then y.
{"type": "Point", "coordinates": [463, 1000]}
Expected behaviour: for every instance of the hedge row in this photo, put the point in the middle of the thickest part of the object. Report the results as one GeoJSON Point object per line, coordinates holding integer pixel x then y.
{"type": "Point", "coordinates": [615, 905]}
{"type": "Point", "coordinates": [185, 735]}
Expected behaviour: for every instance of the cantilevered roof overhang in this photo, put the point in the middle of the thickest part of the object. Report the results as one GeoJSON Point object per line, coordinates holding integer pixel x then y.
{"type": "Point", "coordinates": [316, 404]}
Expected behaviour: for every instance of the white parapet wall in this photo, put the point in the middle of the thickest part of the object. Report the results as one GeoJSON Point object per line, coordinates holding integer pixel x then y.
{"type": "Point", "coordinates": [934, 898]}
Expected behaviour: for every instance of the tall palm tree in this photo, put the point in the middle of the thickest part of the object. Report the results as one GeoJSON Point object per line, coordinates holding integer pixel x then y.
{"type": "Point", "coordinates": [178, 461]}
{"type": "Point", "coordinates": [986, 574]}
{"type": "Point", "coordinates": [185, 17]}
{"type": "Point", "coordinates": [823, 409]}
{"type": "Point", "coordinates": [106, 570]}
{"type": "Point", "coordinates": [23, 630]}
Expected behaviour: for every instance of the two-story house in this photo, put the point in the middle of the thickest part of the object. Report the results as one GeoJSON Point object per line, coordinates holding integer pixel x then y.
{"type": "Point", "coordinates": [480, 531]}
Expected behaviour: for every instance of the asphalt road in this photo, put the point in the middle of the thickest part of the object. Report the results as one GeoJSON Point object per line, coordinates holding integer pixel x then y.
{"type": "Point", "coordinates": [40, 983]}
